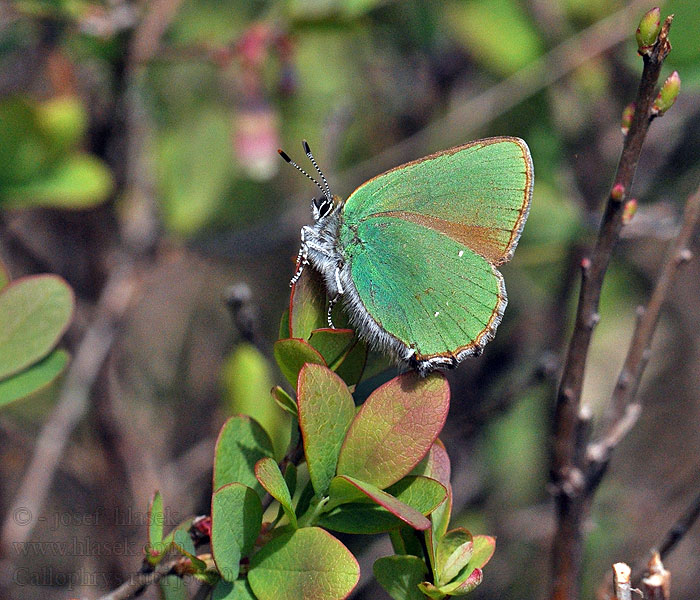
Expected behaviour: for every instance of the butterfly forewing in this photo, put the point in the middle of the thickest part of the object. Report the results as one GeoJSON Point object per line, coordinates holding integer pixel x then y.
{"type": "Point", "coordinates": [422, 242]}
{"type": "Point", "coordinates": [477, 194]}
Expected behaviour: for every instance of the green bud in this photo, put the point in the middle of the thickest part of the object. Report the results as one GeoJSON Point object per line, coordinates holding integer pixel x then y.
{"type": "Point", "coordinates": [648, 30]}
{"type": "Point", "coordinates": [668, 94]}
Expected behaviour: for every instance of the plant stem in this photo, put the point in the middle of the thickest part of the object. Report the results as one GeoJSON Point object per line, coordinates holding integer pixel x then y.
{"type": "Point", "coordinates": [567, 476]}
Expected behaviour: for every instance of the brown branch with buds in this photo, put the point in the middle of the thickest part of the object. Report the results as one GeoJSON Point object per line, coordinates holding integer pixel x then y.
{"type": "Point", "coordinates": [572, 481]}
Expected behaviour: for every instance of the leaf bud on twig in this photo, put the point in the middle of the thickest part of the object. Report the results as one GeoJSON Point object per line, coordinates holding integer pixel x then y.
{"type": "Point", "coordinates": [648, 31]}
{"type": "Point", "coordinates": [668, 94]}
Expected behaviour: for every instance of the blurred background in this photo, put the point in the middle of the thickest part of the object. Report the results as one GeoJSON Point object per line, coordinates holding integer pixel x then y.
{"type": "Point", "coordinates": [138, 160]}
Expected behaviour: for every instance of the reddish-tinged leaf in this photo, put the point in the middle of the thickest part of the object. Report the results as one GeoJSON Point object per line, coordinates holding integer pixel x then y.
{"type": "Point", "coordinates": [326, 410]}
{"type": "Point", "coordinates": [342, 487]}
{"type": "Point", "coordinates": [395, 428]}
{"type": "Point", "coordinates": [465, 586]}
{"type": "Point", "coordinates": [306, 564]}
{"type": "Point", "coordinates": [420, 493]}
{"type": "Point", "coordinates": [270, 477]}
{"type": "Point", "coordinates": [307, 305]}
{"type": "Point", "coordinates": [400, 576]}
{"type": "Point", "coordinates": [292, 354]}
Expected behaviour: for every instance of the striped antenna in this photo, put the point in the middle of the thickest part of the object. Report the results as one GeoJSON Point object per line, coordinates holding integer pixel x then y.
{"type": "Point", "coordinates": [305, 144]}
{"type": "Point", "coordinates": [284, 155]}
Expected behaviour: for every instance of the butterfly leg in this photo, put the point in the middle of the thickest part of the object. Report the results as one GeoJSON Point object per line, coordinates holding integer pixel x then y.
{"type": "Point", "coordinates": [331, 304]}
{"type": "Point", "coordinates": [332, 301]}
{"type": "Point", "coordinates": [302, 258]}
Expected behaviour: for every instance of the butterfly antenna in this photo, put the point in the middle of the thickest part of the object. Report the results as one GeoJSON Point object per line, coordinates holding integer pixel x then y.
{"type": "Point", "coordinates": [284, 155]}
{"type": "Point", "coordinates": [313, 162]}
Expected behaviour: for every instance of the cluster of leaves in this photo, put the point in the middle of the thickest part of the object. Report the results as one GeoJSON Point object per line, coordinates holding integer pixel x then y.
{"type": "Point", "coordinates": [380, 468]}
{"type": "Point", "coordinates": [43, 164]}
{"type": "Point", "coordinates": [35, 311]}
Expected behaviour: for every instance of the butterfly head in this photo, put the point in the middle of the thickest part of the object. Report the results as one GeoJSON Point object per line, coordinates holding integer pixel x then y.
{"type": "Point", "coordinates": [321, 206]}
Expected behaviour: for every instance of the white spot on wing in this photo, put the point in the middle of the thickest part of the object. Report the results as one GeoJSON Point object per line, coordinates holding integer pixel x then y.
{"type": "Point", "coordinates": [461, 253]}
{"type": "Point", "coordinates": [437, 313]}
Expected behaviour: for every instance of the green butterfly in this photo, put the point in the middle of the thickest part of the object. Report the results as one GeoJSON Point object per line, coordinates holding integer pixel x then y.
{"type": "Point", "coordinates": [413, 253]}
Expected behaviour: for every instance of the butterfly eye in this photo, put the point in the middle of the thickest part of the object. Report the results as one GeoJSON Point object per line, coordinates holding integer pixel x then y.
{"type": "Point", "coordinates": [323, 206]}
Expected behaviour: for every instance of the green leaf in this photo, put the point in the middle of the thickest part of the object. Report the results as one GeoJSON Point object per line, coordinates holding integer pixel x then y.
{"type": "Point", "coordinates": [284, 401]}
{"type": "Point", "coordinates": [484, 547]}
{"type": "Point", "coordinates": [24, 151]}
{"type": "Point", "coordinates": [395, 428]}
{"type": "Point", "coordinates": [284, 332]}
{"type": "Point", "coordinates": [292, 354]}
{"type": "Point", "coordinates": [270, 477]}
{"type": "Point", "coordinates": [80, 181]}
{"type": "Point", "coordinates": [196, 170]}
{"type": "Point", "coordinates": [471, 575]}
{"type": "Point", "coordinates": [34, 313]}
{"type": "Point", "coordinates": [400, 576]}
{"type": "Point", "coordinates": [342, 488]}
{"type": "Point", "coordinates": [352, 368]}
{"type": "Point", "coordinates": [183, 542]}
{"type": "Point", "coordinates": [326, 410]}
{"type": "Point", "coordinates": [453, 552]}
{"type": "Point", "coordinates": [306, 564]}
{"type": "Point", "coordinates": [360, 518]}
{"type": "Point", "coordinates": [34, 378]}
{"type": "Point", "coordinates": [333, 344]}
{"type": "Point", "coordinates": [238, 590]}
{"type": "Point", "coordinates": [436, 465]}
{"type": "Point", "coordinates": [290, 477]}
{"type": "Point", "coordinates": [236, 517]}
{"type": "Point", "coordinates": [431, 591]}
{"type": "Point", "coordinates": [422, 493]}
{"type": "Point", "coordinates": [498, 33]}
{"type": "Point", "coordinates": [173, 587]}
{"type": "Point", "coordinates": [247, 382]}
{"type": "Point", "coordinates": [242, 442]}
{"type": "Point", "coordinates": [307, 494]}
{"type": "Point", "coordinates": [154, 548]}
{"type": "Point", "coordinates": [64, 121]}
{"type": "Point", "coordinates": [307, 305]}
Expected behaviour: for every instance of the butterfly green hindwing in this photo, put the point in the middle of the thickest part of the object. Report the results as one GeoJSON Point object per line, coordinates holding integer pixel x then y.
{"type": "Point", "coordinates": [422, 242]}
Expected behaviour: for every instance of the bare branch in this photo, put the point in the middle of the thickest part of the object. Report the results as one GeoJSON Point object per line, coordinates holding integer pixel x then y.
{"type": "Point", "coordinates": [622, 412]}
{"type": "Point", "coordinates": [138, 582]}
{"type": "Point", "coordinates": [571, 503]}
